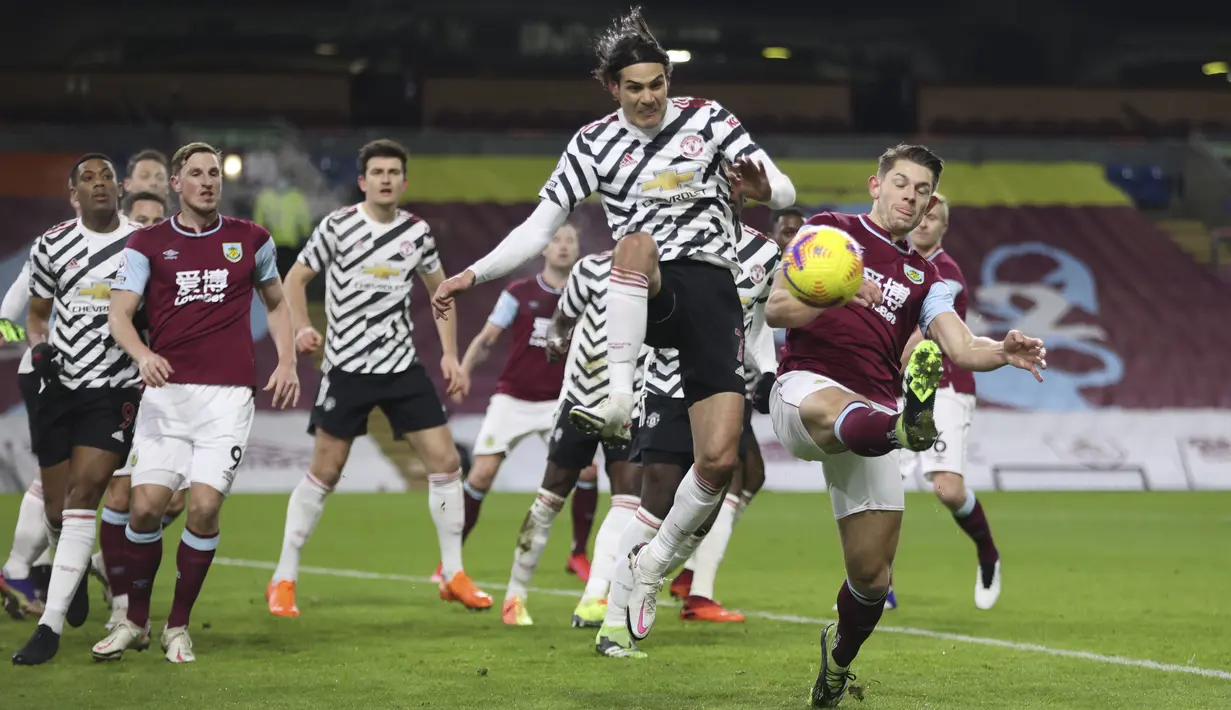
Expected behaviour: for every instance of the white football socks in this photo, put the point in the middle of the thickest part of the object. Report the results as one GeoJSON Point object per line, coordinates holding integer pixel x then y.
{"type": "Point", "coordinates": [29, 535]}
{"type": "Point", "coordinates": [531, 540]}
{"type": "Point", "coordinates": [627, 304]}
{"type": "Point", "coordinates": [642, 528]}
{"type": "Point", "coordinates": [449, 516]}
{"type": "Point", "coordinates": [607, 543]}
{"type": "Point", "coordinates": [303, 513]}
{"type": "Point", "coordinates": [694, 501]}
{"type": "Point", "coordinates": [705, 562]}
{"type": "Point", "coordinates": [72, 558]}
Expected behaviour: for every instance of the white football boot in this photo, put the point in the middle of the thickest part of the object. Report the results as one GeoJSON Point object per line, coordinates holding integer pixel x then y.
{"type": "Point", "coordinates": [986, 596]}
{"type": "Point", "coordinates": [126, 636]}
{"type": "Point", "coordinates": [178, 645]}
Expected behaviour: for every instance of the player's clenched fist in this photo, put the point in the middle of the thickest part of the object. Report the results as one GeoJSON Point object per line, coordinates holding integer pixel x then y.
{"type": "Point", "coordinates": [155, 370]}
{"type": "Point", "coordinates": [308, 340]}
{"type": "Point", "coordinates": [443, 300]}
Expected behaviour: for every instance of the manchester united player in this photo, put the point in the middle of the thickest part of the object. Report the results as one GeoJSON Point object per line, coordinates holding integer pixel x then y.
{"type": "Point", "coordinates": [944, 463]}
{"type": "Point", "coordinates": [836, 395]}
{"type": "Point", "coordinates": [525, 400]}
{"type": "Point", "coordinates": [197, 273]}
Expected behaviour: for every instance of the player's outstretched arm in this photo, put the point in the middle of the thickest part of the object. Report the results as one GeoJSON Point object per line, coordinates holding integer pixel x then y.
{"type": "Point", "coordinates": [457, 378]}
{"type": "Point", "coordinates": [979, 354]}
{"type": "Point", "coordinates": [783, 310]}
{"type": "Point", "coordinates": [295, 289]}
{"type": "Point", "coordinates": [525, 242]}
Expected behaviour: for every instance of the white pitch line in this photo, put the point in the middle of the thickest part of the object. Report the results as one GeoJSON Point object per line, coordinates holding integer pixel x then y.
{"type": "Point", "coordinates": [789, 619]}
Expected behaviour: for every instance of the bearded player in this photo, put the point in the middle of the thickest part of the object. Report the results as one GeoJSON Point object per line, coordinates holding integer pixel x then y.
{"type": "Point", "coordinates": [665, 170]}
{"type": "Point", "coordinates": [836, 396]}
{"type": "Point", "coordinates": [944, 463]}
{"type": "Point", "coordinates": [529, 385]}
{"type": "Point", "coordinates": [197, 272]}
{"type": "Point", "coordinates": [372, 253]}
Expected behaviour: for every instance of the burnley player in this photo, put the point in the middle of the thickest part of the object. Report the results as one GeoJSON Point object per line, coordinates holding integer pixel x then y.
{"type": "Point", "coordinates": [944, 463]}
{"type": "Point", "coordinates": [372, 253]}
{"type": "Point", "coordinates": [525, 400]}
{"type": "Point", "coordinates": [90, 386]}
{"type": "Point", "coordinates": [196, 273]}
{"type": "Point", "coordinates": [655, 163]}
{"type": "Point", "coordinates": [836, 396]}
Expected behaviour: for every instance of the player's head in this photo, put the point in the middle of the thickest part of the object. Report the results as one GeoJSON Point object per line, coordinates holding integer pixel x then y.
{"type": "Point", "coordinates": [786, 224]}
{"type": "Point", "coordinates": [904, 187]}
{"type": "Point", "coordinates": [196, 174]}
{"type": "Point", "coordinates": [145, 208]}
{"type": "Point", "coordinates": [564, 249]}
{"type": "Point", "coordinates": [382, 172]}
{"type": "Point", "coordinates": [147, 172]}
{"type": "Point", "coordinates": [94, 185]}
{"type": "Point", "coordinates": [931, 230]}
{"type": "Point", "coordinates": [634, 67]}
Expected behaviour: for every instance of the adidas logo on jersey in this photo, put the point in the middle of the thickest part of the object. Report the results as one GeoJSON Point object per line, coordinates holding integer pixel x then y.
{"type": "Point", "coordinates": [627, 160]}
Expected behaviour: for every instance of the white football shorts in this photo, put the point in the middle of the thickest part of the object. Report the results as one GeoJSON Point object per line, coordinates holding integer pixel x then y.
{"type": "Point", "coordinates": [856, 483]}
{"type": "Point", "coordinates": [127, 470]}
{"type": "Point", "coordinates": [191, 433]}
{"type": "Point", "coordinates": [954, 413]}
{"type": "Point", "coordinates": [510, 420]}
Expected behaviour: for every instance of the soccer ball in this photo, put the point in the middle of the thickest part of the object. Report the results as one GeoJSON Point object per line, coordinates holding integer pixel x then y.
{"type": "Point", "coordinates": [822, 266]}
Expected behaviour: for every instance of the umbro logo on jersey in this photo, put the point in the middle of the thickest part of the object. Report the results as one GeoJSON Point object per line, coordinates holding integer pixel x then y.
{"type": "Point", "coordinates": [170, 254]}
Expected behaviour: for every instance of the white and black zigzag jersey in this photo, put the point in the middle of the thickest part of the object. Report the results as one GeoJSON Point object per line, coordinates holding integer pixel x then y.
{"type": "Point", "coordinates": [758, 257]}
{"type": "Point", "coordinates": [668, 182]}
{"type": "Point", "coordinates": [585, 301]}
{"type": "Point", "coordinates": [369, 268]}
{"type": "Point", "coordinates": [75, 267]}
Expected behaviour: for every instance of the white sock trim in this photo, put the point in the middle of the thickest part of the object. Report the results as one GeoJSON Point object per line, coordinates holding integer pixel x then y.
{"type": "Point", "coordinates": [968, 507]}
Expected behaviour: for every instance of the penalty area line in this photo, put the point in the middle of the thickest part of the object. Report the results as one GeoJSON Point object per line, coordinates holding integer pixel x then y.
{"type": "Point", "coordinates": [789, 619]}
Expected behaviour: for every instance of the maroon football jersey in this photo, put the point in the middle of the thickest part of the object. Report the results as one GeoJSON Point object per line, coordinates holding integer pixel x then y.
{"type": "Point", "coordinates": [861, 348]}
{"type": "Point", "coordinates": [524, 310]}
{"type": "Point", "coordinates": [198, 294]}
{"type": "Point", "coordinates": [960, 380]}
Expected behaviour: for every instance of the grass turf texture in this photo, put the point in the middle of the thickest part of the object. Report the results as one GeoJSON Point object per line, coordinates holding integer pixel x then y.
{"type": "Point", "coordinates": [1133, 575]}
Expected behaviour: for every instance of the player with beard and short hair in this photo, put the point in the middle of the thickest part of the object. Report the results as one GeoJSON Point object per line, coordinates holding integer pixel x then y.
{"type": "Point", "coordinates": [196, 273]}
{"type": "Point", "coordinates": [943, 465]}
{"type": "Point", "coordinates": [90, 386]}
{"type": "Point", "coordinates": [665, 169]}
{"type": "Point", "coordinates": [371, 253]}
{"type": "Point", "coordinates": [836, 396]}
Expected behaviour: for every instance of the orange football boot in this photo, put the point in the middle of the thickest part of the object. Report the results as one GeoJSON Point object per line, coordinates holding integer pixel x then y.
{"type": "Point", "coordinates": [702, 609]}
{"type": "Point", "coordinates": [580, 566]}
{"type": "Point", "coordinates": [281, 598]}
{"type": "Point", "coordinates": [462, 589]}
{"type": "Point", "coordinates": [682, 584]}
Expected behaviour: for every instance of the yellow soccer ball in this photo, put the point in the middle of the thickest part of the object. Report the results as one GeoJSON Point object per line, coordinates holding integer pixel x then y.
{"type": "Point", "coordinates": [822, 266]}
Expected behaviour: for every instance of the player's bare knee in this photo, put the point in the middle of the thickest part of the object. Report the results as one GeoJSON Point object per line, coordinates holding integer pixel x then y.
{"type": "Point", "coordinates": [179, 500]}
{"type": "Point", "coordinates": [870, 578]}
{"type": "Point", "coordinates": [146, 506]}
{"type": "Point", "coordinates": [443, 461]}
{"type": "Point", "coordinates": [203, 514]}
{"type": "Point", "coordinates": [117, 496]}
{"type": "Point", "coordinates": [950, 489]}
{"type": "Point", "coordinates": [638, 252]}
{"type": "Point", "coordinates": [718, 467]}
{"type": "Point", "coordinates": [484, 471]}
{"type": "Point", "coordinates": [625, 478]}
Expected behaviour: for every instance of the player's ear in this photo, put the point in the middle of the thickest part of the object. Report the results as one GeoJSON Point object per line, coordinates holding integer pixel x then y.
{"type": "Point", "coordinates": [614, 88]}
{"type": "Point", "coordinates": [874, 186]}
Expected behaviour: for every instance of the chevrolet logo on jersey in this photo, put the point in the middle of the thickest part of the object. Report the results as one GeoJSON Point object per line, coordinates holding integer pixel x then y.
{"type": "Point", "coordinates": [667, 180]}
{"type": "Point", "coordinates": [98, 291]}
{"type": "Point", "coordinates": [381, 271]}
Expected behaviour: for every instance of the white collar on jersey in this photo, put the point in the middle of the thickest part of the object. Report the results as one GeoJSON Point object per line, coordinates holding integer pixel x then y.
{"type": "Point", "coordinates": [871, 227]}
{"type": "Point", "coordinates": [175, 224]}
{"type": "Point", "coordinates": [668, 116]}
{"type": "Point", "coordinates": [91, 233]}
{"type": "Point", "coordinates": [543, 285]}
{"type": "Point", "coordinates": [936, 253]}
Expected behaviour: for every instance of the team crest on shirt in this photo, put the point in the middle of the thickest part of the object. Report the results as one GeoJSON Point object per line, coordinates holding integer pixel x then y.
{"type": "Point", "coordinates": [757, 274]}
{"type": "Point", "coordinates": [692, 146]}
{"type": "Point", "coordinates": [915, 275]}
{"type": "Point", "coordinates": [406, 248]}
{"type": "Point", "coordinates": [233, 251]}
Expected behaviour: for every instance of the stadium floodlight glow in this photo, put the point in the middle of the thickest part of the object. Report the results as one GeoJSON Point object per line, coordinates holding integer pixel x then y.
{"type": "Point", "coordinates": [776, 53]}
{"type": "Point", "coordinates": [1212, 68]}
{"type": "Point", "coordinates": [678, 56]}
{"type": "Point", "coordinates": [327, 49]}
{"type": "Point", "coordinates": [232, 166]}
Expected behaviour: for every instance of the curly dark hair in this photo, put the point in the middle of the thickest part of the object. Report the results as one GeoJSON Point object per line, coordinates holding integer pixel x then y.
{"type": "Point", "coordinates": [626, 42]}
